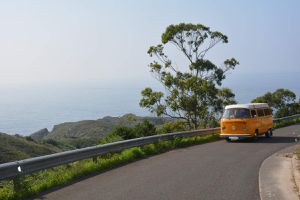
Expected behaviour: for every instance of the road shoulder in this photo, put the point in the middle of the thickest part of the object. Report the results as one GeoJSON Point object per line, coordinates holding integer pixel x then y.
{"type": "Point", "coordinates": [277, 176]}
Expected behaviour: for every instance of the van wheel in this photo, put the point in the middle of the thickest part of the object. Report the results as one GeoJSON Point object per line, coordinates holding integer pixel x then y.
{"type": "Point", "coordinates": [228, 140]}
{"type": "Point", "coordinates": [269, 133]}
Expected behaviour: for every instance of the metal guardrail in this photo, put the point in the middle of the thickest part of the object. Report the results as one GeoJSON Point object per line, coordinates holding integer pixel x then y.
{"type": "Point", "coordinates": [17, 168]}
{"type": "Point", "coordinates": [286, 118]}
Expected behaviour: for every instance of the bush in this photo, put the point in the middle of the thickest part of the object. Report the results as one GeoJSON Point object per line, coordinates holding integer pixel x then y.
{"type": "Point", "coordinates": [112, 137]}
{"type": "Point", "coordinates": [124, 132]}
{"type": "Point", "coordinates": [144, 129]}
{"type": "Point", "coordinates": [172, 127]}
{"type": "Point", "coordinates": [28, 138]}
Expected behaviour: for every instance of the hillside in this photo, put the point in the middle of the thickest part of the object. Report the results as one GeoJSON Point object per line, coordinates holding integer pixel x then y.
{"type": "Point", "coordinates": [16, 147]}
{"type": "Point", "coordinates": [88, 132]}
{"type": "Point", "coordinates": [98, 128]}
{"type": "Point", "coordinates": [66, 136]}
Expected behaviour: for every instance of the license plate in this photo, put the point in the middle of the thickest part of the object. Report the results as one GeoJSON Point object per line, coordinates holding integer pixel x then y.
{"type": "Point", "coordinates": [233, 138]}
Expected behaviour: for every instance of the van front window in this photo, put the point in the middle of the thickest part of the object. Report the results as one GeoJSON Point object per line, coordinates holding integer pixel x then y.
{"type": "Point", "coordinates": [236, 113]}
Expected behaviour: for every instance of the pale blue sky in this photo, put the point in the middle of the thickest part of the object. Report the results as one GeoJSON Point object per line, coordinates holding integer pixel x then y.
{"type": "Point", "coordinates": [105, 42]}
{"type": "Point", "coordinates": [73, 60]}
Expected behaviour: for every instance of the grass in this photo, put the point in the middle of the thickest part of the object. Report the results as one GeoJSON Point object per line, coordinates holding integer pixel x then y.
{"type": "Point", "coordinates": [33, 184]}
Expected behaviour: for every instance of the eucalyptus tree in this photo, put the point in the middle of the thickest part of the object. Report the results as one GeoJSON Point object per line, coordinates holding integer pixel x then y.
{"type": "Point", "coordinates": [283, 101]}
{"type": "Point", "coordinates": [192, 92]}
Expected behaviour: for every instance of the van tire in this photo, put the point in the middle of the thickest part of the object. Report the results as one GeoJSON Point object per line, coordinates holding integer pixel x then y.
{"type": "Point", "coordinates": [269, 133]}
{"type": "Point", "coordinates": [228, 140]}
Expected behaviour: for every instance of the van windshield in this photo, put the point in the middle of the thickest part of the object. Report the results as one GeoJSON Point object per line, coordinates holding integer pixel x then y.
{"type": "Point", "coordinates": [236, 113]}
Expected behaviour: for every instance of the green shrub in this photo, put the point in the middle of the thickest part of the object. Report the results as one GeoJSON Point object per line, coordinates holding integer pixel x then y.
{"type": "Point", "coordinates": [111, 137]}
{"type": "Point", "coordinates": [144, 129]}
{"type": "Point", "coordinates": [122, 132]}
{"type": "Point", "coordinates": [150, 149]}
{"type": "Point", "coordinates": [172, 127]}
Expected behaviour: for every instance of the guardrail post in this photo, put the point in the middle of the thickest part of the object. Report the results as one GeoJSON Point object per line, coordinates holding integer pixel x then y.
{"type": "Point", "coordinates": [95, 160]}
{"type": "Point", "coordinates": [17, 184]}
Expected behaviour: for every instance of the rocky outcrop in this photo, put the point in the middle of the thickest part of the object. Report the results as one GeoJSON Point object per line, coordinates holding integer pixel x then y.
{"type": "Point", "coordinates": [39, 135]}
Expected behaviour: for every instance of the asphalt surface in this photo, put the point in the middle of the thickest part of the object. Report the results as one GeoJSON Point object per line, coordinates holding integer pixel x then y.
{"type": "Point", "coordinates": [217, 170]}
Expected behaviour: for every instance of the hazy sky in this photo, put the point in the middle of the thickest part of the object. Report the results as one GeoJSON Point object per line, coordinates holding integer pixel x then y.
{"type": "Point", "coordinates": [71, 60]}
{"type": "Point", "coordinates": [87, 42]}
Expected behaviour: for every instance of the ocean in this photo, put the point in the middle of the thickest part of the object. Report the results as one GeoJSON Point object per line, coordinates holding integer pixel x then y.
{"type": "Point", "coordinates": [24, 110]}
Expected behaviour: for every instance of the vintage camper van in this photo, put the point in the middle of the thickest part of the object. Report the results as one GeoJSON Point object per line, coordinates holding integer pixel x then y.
{"type": "Point", "coordinates": [246, 120]}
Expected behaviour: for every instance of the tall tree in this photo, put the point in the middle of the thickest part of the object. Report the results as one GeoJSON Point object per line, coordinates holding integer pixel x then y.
{"type": "Point", "coordinates": [283, 101]}
{"type": "Point", "coordinates": [192, 92]}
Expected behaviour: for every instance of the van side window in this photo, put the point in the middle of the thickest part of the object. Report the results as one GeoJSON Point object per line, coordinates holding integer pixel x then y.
{"type": "Point", "coordinates": [253, 113]}
{"type": "Point", "coordinates": [267, 112]}
{"type": "Point", "coordinates": [260, 112]}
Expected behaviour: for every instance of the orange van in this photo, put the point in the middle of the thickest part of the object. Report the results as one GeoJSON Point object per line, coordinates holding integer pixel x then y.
{"type": "Point", "coordinates": [246, 120]}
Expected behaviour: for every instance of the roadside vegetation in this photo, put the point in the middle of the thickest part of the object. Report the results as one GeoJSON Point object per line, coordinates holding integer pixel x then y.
{"type": "Point", "coordinates": [35, 183]}
{"type": "Point", "coordinates": [286, 123]}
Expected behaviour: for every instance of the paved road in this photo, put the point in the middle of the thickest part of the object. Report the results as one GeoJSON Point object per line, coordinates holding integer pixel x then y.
{"type": "Point", "coordinates": [217, 170]}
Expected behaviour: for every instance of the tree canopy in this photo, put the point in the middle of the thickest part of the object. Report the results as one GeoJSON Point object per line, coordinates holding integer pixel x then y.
{"type": "Point", "coordinates": [193, 94]}
{"type": "Point", "coordinates": [283, 101]}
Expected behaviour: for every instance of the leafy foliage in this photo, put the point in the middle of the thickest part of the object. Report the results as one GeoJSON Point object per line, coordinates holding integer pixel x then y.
{"type": "Point", "coordinates": [144, 129]}
{"type": "Point", "coordinates": [282, 100]}
{"type": "Point", "coordinates": [122, 132]}
{"type": "Point", "coordinates": [112, 137]}
{"type": "Point", "coordinates": [192, 95]}
{"type": "Point", "coordinates": [172, 127]}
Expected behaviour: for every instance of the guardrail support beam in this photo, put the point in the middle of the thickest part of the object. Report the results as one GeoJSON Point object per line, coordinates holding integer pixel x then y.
{"type": "Point", "coordinates": [95, 159]}
{"type": "Point", "coordinates": [17, 184]}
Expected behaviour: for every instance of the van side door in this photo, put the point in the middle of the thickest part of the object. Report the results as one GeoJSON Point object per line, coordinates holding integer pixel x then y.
{"type": "Point", "coordinates": [269, 120]}
{"type": "Point", "coordinates": [255, 122]}
{"type": "Point", "coordinates": [261, 121]}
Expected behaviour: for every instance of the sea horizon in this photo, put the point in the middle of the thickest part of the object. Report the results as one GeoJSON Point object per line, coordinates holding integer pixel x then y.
{"type": "Point", "coordinates": [27, 109]}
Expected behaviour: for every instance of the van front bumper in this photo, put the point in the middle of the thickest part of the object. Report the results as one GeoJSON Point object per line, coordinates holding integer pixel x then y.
{"type": "Point", "coordinates": [236, 136]}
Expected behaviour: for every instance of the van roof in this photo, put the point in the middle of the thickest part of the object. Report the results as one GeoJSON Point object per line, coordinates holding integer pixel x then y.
{"type": "Point", "coordinates": [248, 105]}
